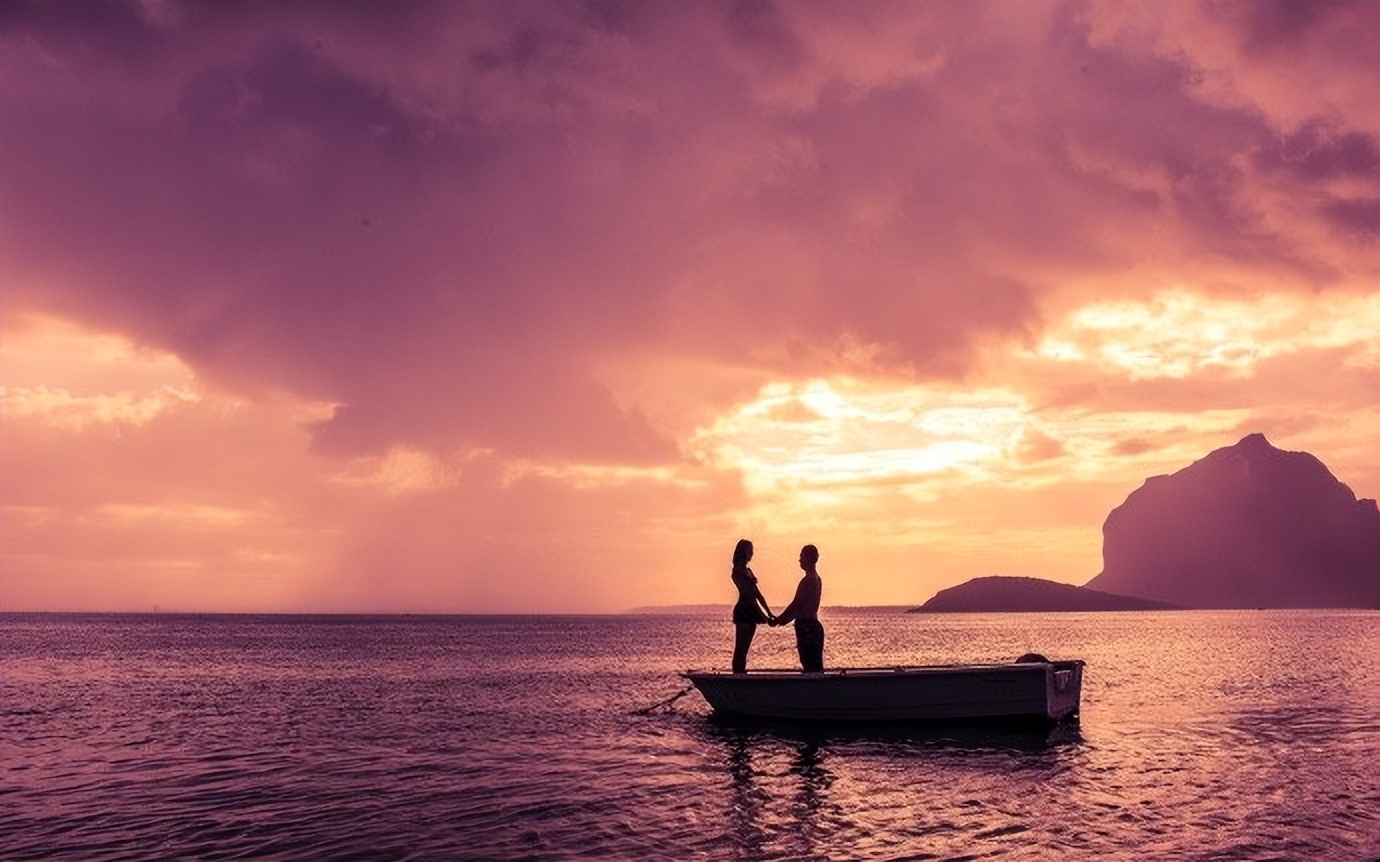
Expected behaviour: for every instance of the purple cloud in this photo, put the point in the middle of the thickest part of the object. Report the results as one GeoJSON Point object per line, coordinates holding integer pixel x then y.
{"type": "Point", "coordinates": [443, 217]}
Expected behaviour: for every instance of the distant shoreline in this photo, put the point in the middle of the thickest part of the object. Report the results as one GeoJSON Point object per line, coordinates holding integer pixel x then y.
{"type": "Point", "coordinates": [695, 610]}
{"type": "Point", "coordinates": [339, 617]}
{"type": "Point", "coordinates": [647, 610]}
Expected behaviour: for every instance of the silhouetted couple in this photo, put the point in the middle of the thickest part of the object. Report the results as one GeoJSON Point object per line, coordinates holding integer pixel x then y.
{"type": "Point", "coordinates": [752, 610]}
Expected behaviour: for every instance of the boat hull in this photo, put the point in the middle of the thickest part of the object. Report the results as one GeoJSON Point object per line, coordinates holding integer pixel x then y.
{"type": "Point", "coordinates": [1039, 691]}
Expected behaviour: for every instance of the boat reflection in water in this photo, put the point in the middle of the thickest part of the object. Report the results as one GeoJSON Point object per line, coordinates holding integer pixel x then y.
{"type": "Point", "coordinates": [1031, 690]}
{"type": "Point", "coordinates": [796, 789]}
{"type": "Point", "coordinates": [895, 738]}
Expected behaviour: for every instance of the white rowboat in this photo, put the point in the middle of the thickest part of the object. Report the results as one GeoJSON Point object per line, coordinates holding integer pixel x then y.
{"type": "Point", "coordinates": [1045, 691]}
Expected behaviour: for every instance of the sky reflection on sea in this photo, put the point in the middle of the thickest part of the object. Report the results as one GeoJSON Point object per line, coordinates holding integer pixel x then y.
{"type": "Point", "coordinates": [1237, 735]}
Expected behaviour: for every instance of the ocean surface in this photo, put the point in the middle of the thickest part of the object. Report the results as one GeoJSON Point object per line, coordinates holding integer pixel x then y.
{"type": "Point", "coordinates": [1241, 735]}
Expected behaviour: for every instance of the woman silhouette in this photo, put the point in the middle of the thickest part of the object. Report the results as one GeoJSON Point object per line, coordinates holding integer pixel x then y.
{"type": "Point", "coordinates": [751, 608]}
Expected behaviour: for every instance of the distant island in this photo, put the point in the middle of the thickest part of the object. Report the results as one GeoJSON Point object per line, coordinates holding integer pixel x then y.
{"type": "Point", "coordinates": [998, 593]}
{"type": "Point", "coordinates": [1247, 526]}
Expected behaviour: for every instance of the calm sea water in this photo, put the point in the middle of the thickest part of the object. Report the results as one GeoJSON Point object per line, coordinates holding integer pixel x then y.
{"type": "Point", "coordinates": [1204, 735]}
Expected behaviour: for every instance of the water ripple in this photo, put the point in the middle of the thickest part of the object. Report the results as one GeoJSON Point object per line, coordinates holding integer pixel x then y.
{"type": "Point", "coordinates": [517, 738]}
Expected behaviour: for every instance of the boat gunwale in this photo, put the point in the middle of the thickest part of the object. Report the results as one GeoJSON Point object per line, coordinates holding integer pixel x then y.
{"type": "Point", "coordinates": [877, 672]}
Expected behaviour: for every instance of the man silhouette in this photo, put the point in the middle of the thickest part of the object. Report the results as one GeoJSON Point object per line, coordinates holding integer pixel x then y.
{"type": "Point", "coordinates": [804, 612]}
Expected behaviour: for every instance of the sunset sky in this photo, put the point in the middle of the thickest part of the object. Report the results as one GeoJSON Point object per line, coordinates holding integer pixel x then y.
{"type": "Point", "coordinates": [534, 307]}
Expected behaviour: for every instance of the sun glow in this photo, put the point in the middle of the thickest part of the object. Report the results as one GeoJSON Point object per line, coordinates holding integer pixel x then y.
{"type": "Point", "coordinates": [1178, 333]}
{"type": "Point", "coordinates": [842, 449]}
{"type": "Point", "coordinates": [837, 433]}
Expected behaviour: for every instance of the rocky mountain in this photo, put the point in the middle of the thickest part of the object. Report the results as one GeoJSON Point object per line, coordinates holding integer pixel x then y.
{"type": "Point", "coordinates": [1247, 526]}
{"type": "Point", "coordinates": [999, 593]}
